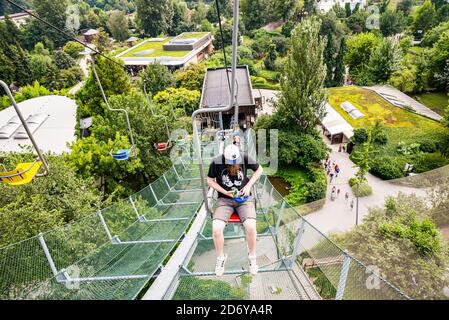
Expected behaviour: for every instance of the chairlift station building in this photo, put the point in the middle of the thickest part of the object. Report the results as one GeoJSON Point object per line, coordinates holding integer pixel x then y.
{"type": "Point", "coordinates": [51, 119]}
{"type": "Point", "coordinates": [216, 93]}
{"type": "Point", "coordinates": [175, 53]}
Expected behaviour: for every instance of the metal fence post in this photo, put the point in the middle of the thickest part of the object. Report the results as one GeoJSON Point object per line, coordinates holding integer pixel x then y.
{"type": "Point", "coordinates": [154, 195]}
{"type": "Point", "coordinates": [281, 212]}
{"type": "Point", "coordinates": [297, 244]}
{"type": "Point", "coordinates": [105, 226]}
{"type": "Point", "coordinates": [47, 254]}
{"type": "Point", "coordinates": [134, 207]}
{"type": "Point", "coordinates": [343, 276]}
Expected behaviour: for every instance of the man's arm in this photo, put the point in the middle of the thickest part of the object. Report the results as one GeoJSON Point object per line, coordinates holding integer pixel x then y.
{"type": "Point", "coordinates": [246, 190]}
{"type": "Point", "coordinates": [214, 185]}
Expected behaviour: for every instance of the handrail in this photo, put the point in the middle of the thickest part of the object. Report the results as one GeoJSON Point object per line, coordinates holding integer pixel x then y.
{"type": "Point", "coordinates": [133, 147]}
{"type": "Point", "coordinates": [25, 125]}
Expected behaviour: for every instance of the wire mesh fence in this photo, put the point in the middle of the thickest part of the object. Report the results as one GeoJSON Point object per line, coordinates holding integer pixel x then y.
{"type": "Point", "coordinates": [296, 261]}
{"type": "Point", "coordinates": [110, 254]}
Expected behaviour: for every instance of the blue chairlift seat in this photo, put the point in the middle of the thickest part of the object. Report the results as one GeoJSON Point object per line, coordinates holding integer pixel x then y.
{"type": "Point", "coordinates": [121, 154]}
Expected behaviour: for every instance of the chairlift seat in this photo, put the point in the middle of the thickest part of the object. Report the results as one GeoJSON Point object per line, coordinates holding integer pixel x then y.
{"type": "Point", "coordinates": [234, 218]}
{"type": "Point", "coordinates": [23, 174]}
{"type": "Point", "coordinates": [121, 155]}
{"type": "Point", "coordinates": [162, 146]}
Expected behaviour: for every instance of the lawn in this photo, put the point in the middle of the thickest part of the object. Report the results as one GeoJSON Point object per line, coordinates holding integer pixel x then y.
{"type": "Point", "coordinates": [401, 125]}
{"type": "Point", "coordinates": [437, 101]}
{"type": "Point", "coordinates": [411, 138]}
{"type": "Point", "coordinates": [159, 51]}
{"type": "Point", "coordinates": [189, 35]}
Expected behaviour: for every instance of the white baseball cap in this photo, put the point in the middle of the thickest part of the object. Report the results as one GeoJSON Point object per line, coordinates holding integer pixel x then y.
{"type": "Point", "coordinates": [232, 154]}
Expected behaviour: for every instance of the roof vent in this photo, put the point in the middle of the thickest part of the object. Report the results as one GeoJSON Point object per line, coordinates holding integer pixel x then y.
{"type": "Point", "coordinates": [33, 122]}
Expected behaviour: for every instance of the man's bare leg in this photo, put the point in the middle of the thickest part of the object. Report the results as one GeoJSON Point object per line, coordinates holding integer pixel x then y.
{"type": "Point", "coordinates": [251, 236]}
{"type": "Point", "coordinates": [217, 234]}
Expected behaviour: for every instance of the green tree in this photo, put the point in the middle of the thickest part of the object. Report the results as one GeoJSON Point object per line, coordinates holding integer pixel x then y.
{"type": "Point", "coordinates": [73, 49]}
{"type": "Point", "coordinates": [362, 157]}
{"type": "Point", "coordinates": [157, 78]}
{"type": "Point", "coordinates": [102, 41]}
{"type": "Point", "coordinates": [118, 25]}
{"type": "Point", "coordinates": [10, 53]}
{"type": "Point", "coordinates": [182, 99]}
{"type": "Point", "coordinates": [329, 53]}
{"type": "Point", "coordinates": [199, 14]}
{"type": "Point", "coordinates": [154, 16]}
{"type": "Point", "coordinates": [302, 96]}
{"type": "Point", "coordinates": [385, 60]}
{"type": "Point", "coordinates": [115, 81]}
{"type": "Point", "coordinates": [405, 6]}
{"type": "Point", "coordinates": [439, 55]}
{"type": "Point", "coordinates": [340, 69]}
{"type": "Point", "coordinates": [54, 12]}
{"type": "Point", "coordinates": [392, 22]}
{"type": "Point", "coordinates": [357, 22]}
{"type": "Point", "coordinates": [270, 59]}
{"type": "Point", "coordinates": [253, 13]}
{"type": "Point", "coordinates": [404, 80]}
{"type": "Point", "coordinates": [62, 60]}
{"type": "Point", "coordinates": [425, 17]}
{"type": "Point", "coordinates": [360, 49]}
{"type": "Point", "coordinates": [191, 77]}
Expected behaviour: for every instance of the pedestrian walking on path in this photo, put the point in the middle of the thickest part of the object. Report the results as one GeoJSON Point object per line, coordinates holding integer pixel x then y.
{"type": "Point", "coordinates": [352, 204]}
{"type": "Point", "coordinates": [338, 192]}
{"type": "Point", "coordinates": [332, 176]}
{"type": "Point", "coordinates": [346, 196]}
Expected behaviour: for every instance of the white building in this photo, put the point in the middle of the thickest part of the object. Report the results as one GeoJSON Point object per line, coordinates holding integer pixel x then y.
{"type": "Point", "coordinates": [51, 119]}
{"type": "Point", "coordinates": [19, 19]}
{"type": "Point", "coordinates": [326, 5]}
{"type": "Point", "coordinates": [335, 127]}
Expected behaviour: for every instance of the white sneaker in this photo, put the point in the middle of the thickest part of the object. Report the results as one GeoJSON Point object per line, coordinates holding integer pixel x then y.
{"type": "Point", "coordinates": [219, 267]}
{"type": "Point", "coordinates": [253, 268]}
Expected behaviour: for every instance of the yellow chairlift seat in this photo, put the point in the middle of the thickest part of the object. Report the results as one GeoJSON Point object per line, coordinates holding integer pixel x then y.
{"type": "Point", "coordinates": [23, 174]}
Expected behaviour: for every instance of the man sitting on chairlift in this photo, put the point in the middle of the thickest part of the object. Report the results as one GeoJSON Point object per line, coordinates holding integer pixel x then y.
{"type": "Point", "coordinates": [228, 176]}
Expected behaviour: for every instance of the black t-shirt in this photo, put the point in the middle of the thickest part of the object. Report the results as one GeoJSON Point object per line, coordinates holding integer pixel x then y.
{"type": "Point", "coordinates": [218, 170]}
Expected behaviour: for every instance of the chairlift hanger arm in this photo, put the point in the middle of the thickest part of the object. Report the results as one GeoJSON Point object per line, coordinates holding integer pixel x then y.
{"type": "Point", "coordinates": [25, 125]}
{"type": "Point", "coordinates": [133, 147]}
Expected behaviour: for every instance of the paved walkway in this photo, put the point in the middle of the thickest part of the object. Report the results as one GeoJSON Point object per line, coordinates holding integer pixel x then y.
{"type": "Point", "coordinates": [402, 100]}
{"type": "Point", "coordinates": [337, 216]}
{"type": "Point", "coordinates": [83, 65]}
{"type": "Point", "coordinates": [268, 98]}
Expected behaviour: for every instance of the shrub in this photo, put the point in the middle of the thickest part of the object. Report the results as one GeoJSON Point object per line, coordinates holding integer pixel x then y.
{"type": "Point", "coordinates": [410, 149]}
{"type": "Point", "coordinates": [316, 189]}
{"type": "Point", "coordinates": [423, 234]}
{"type": "Point", "coordinates": [428, 146]}
{"type": "Point", "coordinates": [353, 181]}
{"type": "Point", "coordinates": [387, 168]}
{"type": "Point", "coordinates": [429, 161]}
{"type": "Point", "coordinates": [362, 190]}
{"type": "Point", "coordinates": [360, 136]}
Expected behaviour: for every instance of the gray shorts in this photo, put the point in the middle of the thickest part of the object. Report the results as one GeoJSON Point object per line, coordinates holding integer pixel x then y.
{"type": "Point", "coordinates": [224, 208]}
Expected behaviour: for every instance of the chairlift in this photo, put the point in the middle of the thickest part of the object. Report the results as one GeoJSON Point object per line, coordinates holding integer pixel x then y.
{"type": "Point", "coordinates": [121, 154]}
{"type": "Point", "coordinates": [164, 146]}
{"type": "Point", "coordinates": [24, 173]}
{"type": "Point", "coordinates": [148, 98]}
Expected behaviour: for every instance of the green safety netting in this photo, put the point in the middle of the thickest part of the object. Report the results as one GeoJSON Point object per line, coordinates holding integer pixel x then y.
{"type": "Point", "coordinates": [107, 255]}
{"type": "Point", "coordinates": [296, 261]}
